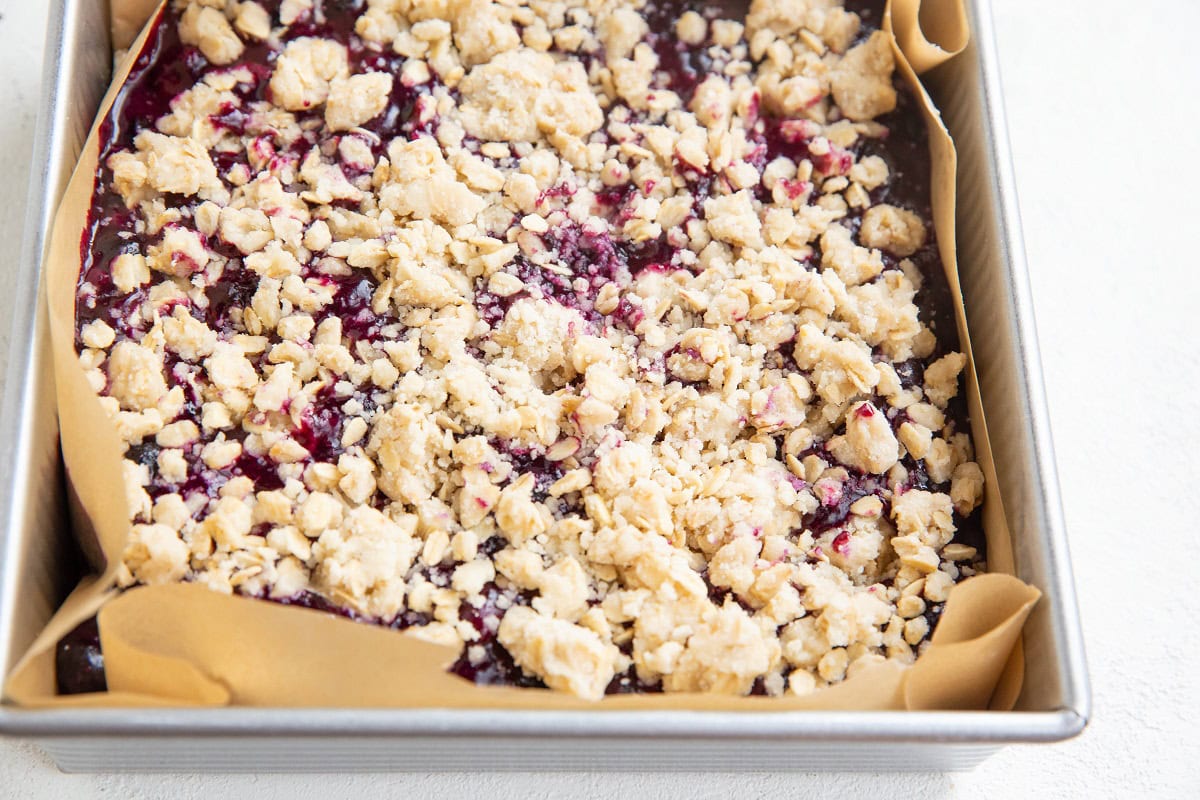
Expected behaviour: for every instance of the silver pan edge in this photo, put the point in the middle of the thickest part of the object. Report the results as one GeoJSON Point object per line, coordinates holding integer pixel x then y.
{"type": "Point", "coordinates": [1055, 703]}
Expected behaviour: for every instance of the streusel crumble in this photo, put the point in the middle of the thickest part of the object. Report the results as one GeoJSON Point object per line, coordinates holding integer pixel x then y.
{"type": "Point", "coordinates": [605, 340]}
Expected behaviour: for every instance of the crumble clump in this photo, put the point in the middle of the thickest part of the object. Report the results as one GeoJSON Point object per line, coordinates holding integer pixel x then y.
{"type": "Point", "coordinates": [590, 338]}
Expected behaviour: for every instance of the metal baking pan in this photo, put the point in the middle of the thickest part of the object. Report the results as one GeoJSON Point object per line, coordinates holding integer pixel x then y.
{"type": "Point", "coordinates": [36, 546]}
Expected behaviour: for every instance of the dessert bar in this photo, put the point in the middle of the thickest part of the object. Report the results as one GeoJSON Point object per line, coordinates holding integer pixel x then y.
{"type": "Point", "coordinates": [606, 342]}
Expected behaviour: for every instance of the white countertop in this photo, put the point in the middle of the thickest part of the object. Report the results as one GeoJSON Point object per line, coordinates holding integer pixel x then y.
{"type": "Point", "coordinates": [1103, 116]}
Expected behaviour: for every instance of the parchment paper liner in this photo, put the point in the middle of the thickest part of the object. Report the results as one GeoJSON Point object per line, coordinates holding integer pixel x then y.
{"type": "Point", "coordinates": [184, 645]}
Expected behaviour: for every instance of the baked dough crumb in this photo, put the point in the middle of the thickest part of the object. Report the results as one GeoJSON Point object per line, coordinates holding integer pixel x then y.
{"type": "Point", "coordinates": [592, 339]}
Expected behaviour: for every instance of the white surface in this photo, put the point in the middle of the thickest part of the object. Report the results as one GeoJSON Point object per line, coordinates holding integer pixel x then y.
{"type": "Point", "coordinates": [1103, 121]}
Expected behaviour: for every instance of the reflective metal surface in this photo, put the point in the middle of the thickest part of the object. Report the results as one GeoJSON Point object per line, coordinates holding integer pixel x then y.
{"type": "Point", "coordinates": [1054, 705]}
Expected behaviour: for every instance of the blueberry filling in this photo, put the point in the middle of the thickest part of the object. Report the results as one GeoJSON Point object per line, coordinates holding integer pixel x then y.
{"type": "Point", "coordinates": [588, 260]}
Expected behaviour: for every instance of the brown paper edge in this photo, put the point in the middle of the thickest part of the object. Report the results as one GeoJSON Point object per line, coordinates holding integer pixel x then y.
{"type": "Point", "coordinates": [128, 19]}
{"type": "Point", "coordinates": [183, 645]}
{"type": "Point", "coordinates": [930, 32]}
{"type": "Point", "coordinates": [90, 445]}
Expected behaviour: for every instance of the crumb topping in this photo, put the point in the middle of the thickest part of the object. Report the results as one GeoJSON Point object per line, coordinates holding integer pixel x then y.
{"type": "Point", "coordinates": [589, 337]}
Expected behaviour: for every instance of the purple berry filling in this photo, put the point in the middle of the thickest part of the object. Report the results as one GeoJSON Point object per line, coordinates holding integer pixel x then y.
{"type": "Point", "coordinates": [79, 662]}
{"type": "Point", "coordinates": [167, 67]}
